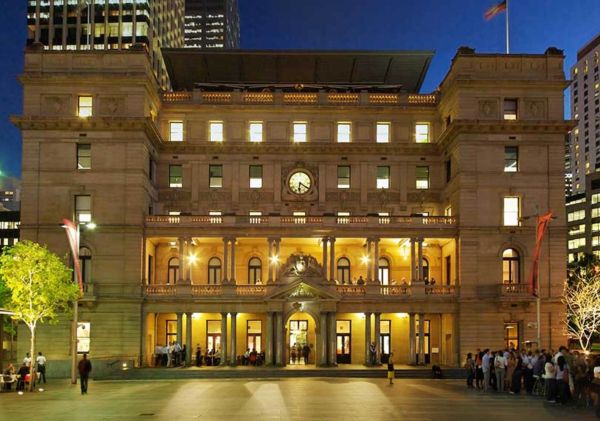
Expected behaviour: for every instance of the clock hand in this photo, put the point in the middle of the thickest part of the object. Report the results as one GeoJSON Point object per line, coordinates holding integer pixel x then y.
{"type": "Point", "coordinates": [300, 184]}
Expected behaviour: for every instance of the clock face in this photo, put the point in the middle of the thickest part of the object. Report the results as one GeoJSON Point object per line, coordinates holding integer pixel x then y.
{"type": "Point", "coordinates": [300, 182]}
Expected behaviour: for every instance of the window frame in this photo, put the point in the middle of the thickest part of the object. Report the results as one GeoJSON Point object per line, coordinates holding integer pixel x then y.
{"type": "Point", "coordinates": [252, 124]}
{"type": "Point", "coordinates": [427, 134]}
{"type": "Point", "coordinates": [514, 266]}
{"type": "Point", "coordinates": [506, 214]}
{"type": "Point", "coordinates": [82, 211]}
{"type": "Point", "coordinates": [211, 178]}
{"type": "Point", "coordinates": [418, 178]}
{"type": "Point", "coordinates": [80, 156]}
{"type": "Point", "coordinates": [338, 134]}
{"type": "Point", "coordinates": [341, 178]}
{"type": "Point", "coordinates": [173, 184]}
{"type": "Point", "coordinates": [253, 181]}
{"type": "Point", "coordinates": [346, 271]}
{"type": "Point", "coordinates": [509, 114]}
{"type": "Point", "coordinates": [176, 131]}
{"type": "Point", "coordinates": [295, 133]}
{"type": "Point", "coordinates": [509, 160]}
{"type": "Point", "coordinates": [214, 271]}
{"type": "Point", "coordinates": [253, 270]}
{"type": "Point", "coordinates": [212, 134]}
{"type": "Point", "coordinates": [388, 133]}
{"type": "Point", "coordinates": [85, 110]}
{"type": "Point", "coordinates": [383, 183]}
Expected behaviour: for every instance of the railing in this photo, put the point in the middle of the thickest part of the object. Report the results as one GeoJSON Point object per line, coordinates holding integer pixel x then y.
{"type": "Point", "coordinates": [316, 221]}
{"type": "Point", "coordinates": [250, 290]}
{"type": "Point", "coordinates": [514, 290]}
{"type": "Point", "coordinates": [350, 290]}
{"type": "Point", "coordinates": [395, 290]}
{"type": "Point", "coordinates": [301, 98]}
{"type": "Point", "coordinates": [163, 290]}
{"type": "Point", "coordinates": [440, 289]}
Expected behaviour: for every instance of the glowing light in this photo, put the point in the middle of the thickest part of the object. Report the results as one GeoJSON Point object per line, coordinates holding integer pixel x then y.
{"type": "Point", "coordinates": [192, 258]}
{"type": "Point", "coordinates": [91, 226]}
{"type": "Point", "coordinates": [365, 260]}
{"type": "Point", "coordinates": [274, 259]}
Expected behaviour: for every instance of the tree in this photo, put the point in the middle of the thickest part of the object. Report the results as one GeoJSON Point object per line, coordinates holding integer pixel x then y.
{"type": "Point", "coordinates": [40, 286]}
{"type": "Point", "coordinates": [582, 298]}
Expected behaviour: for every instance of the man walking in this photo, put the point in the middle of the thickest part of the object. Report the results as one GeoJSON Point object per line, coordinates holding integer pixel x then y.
{"type": "Point", "coordinates": [85, 368]}
{"type": "Point", "coordinates": [40, 362]}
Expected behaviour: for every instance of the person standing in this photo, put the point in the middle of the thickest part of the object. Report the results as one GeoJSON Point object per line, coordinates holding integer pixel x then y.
{"type": "Point", "coordinates": [305, 353]}
{"type": "Point", "coordinates": [198, 356]}
{"type": "Point", "coordinates": [27, 360]}
{"type": "Point", "coordinates": [390, 368]}
{"type": "Point", "coordinates": [470, 367]}
{"type": "Point", "coordinates": [485, 366]}
{"type": "Point", "coordinates": [85, 368]}
{"type": "Point", "coordinates": [40, 362]}
{"type": "Point", "coordinates": [372, 354]}
{"type": "Point", "coordinates": [500, 368]}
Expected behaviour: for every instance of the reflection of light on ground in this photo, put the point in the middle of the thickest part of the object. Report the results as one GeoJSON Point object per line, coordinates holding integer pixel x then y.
{"type": "Point", "coordinates": [266, 400]}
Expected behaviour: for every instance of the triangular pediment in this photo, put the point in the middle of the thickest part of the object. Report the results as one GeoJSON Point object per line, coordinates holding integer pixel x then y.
{"type": "Point", "coordinates": [304, 290]}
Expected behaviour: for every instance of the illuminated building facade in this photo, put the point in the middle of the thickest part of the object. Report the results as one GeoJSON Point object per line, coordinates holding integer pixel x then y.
{"type": "Point", "coordinates": [211, 24]}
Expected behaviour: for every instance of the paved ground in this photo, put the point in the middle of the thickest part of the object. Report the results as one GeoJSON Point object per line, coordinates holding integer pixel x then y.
{"type": "Point", "coordinates": [284, 399]}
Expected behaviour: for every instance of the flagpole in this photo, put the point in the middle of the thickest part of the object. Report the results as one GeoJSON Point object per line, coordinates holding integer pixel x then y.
{"type": "Point", "coordinates": [507, 31]}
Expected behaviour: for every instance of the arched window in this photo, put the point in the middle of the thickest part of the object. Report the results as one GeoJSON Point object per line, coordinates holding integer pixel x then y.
{"type": "Point", "coordinates": [85, 263]}
{"type": "Point", "coordinates": [384, 271]}
{"type": "Point", "coordinates": [214, 270]}
{"type": "Point", "coordinates": [425, 269]}
{"type": "Point", "coordinates": [510, 267]}
{"type": "Point", "coordinates": [173, 272]}
{"type": "Point", "coordinates": [254, 271]}
{"type": "Point", "coordinates": [343, 270]}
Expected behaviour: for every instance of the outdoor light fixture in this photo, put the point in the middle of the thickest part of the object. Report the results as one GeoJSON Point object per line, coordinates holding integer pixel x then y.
{"type": "Point", "coordinates": [90, 225]}
{"type": "Point", "coordinates": [192, 258]}
{"type": "Point", "coordinates": [274, 259]}
{"type": "Point", "coordinates": [365, 260]}
{"type": "Point", "coordinates": [124, 367]}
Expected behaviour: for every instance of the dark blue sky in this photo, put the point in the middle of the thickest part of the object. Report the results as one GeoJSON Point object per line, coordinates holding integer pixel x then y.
{"type": "Point", "coordinates": [440, 25]}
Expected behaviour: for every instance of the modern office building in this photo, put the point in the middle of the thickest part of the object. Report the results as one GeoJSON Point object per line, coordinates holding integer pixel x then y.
{"type": "Point", "coordinates": [211, 24]}
{"type": "Point", "coordinates": [583, 220]}
{"type": "Point", "coordinates": [108, 25]}
{"type": "Point", "coordinates": [585, 108]}
{"type": "Point", "coordinates": [281, 198]}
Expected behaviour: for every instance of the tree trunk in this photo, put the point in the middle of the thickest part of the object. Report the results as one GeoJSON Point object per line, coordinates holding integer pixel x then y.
{"type": "Point", "coordinates": [32, 365]}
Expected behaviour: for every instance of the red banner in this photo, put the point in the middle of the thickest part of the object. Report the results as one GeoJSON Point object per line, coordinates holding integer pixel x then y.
{"type": "Point", "coordinates": [494, 11]}
{"type": "Point", "coordinates": [542, 226]}
{"type": "Point", "coordinates": [73, 236]}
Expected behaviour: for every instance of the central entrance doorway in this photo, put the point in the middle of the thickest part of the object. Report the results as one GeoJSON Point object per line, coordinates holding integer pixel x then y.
{"type": "Point", "coordinates": [301, 339]}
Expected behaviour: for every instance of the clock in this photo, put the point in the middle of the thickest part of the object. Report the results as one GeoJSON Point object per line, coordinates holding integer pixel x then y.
{"type": "Point", "coordinates": [300, 182]}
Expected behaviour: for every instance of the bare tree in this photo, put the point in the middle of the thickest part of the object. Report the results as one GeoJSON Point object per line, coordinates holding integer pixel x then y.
{"type": "Point", "coordinates": [582, 298]}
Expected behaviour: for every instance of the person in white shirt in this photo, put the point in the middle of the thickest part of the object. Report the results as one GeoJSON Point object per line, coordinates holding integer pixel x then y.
{"type": "Point", "coordinates": [500, 364]}
{"type": "Point", "coordinates": [27, 360]}
{"type": "Point", "coordinates": [485, 367]}
{"type": "Point", "coordinates": [40, 362]}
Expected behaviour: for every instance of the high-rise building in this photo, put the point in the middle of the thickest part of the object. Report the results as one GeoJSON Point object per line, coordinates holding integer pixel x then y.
{"type": "Point", "coordinates": [212, 24]}
{"type": "Point", "coordinates": [108, 25]}
{"type": "Point", "coordinates": [585, 108]}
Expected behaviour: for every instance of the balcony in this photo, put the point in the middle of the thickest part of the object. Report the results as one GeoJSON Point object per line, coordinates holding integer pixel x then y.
{"type": "Point", "coordinates": [514, 292]}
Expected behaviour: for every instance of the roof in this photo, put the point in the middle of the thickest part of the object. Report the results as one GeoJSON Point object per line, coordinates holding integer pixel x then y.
{"type": "Point", "coordinates": [398, 70]}
{"type": "Point", "coordinates": [588, 47]}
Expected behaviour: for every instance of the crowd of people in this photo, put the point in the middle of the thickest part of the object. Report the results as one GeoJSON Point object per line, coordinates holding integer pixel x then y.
{"type": "Point", "coordinates": [23, 374]}
{"type": "Point", "coordinates": [563, 377]}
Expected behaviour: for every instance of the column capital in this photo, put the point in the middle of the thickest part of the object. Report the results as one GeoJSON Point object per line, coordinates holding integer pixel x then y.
{"type": "Point", "coordinates": [332, 239]}
{"type": "Point", "coordinates": [233, 314]}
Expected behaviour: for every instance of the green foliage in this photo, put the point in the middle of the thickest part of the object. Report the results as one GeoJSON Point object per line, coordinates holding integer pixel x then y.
{"type": "Point", "coordinates": [39, 284]}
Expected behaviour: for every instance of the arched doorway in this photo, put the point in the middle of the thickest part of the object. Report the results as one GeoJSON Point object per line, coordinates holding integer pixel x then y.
{"type": "Point", "coordinates": [300, 338]}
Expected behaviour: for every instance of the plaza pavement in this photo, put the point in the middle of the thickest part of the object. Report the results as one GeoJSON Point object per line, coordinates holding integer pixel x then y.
{"type": "Point", "coordinates": [278, 399]}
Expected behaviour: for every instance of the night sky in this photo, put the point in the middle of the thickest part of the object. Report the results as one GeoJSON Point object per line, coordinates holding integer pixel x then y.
{"type": "Point", "coordinates": [440, 25]}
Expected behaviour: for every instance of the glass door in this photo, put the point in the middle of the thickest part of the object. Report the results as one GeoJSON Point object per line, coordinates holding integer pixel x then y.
{"type": "Point", "coordinates": [427, 346]}
{"type": "Point", "coordinates": [298, 339]}
{"type": "Point", "coordinates": [343, 341]}
{"type": "Point", "coordinates": [385, 339]}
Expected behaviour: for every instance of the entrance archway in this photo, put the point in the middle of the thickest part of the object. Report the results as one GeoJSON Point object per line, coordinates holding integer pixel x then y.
{"type": "Point", "coordinates": [300, 336]}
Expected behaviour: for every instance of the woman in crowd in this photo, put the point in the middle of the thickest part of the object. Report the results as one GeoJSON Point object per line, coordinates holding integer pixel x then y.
{"type": "Point", "coordinates": [470, 367]}
{"type": "Point", "coordinates": [562, 380]}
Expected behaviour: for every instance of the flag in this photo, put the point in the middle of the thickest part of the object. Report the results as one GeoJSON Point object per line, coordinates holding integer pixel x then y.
{"type": "Point", "coordinates": [542, 225]}
{"type": "Point", "coordinates": [493, 11]}
{"type": "Point", "coordinates": [73, 236]}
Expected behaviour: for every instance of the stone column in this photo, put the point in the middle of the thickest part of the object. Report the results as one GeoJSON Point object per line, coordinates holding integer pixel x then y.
{"type": "Point", "coordinates": [279, 339]}
{"type": "Point", "coordinates": [376, 261]}
{"type": "Point", "coordinates": [233, 266]}
{"type": "Point", "coordinates": [378, 338]}
{"type": "Point", "coordinates": [269, 340]}
{"type": "Point", "coordinates": [411, 338]}
{"type": "Point", "coordinates": [413, 270]}
{"type": "Point", "coordinates": [331, 319]}
{"type": "Point", "coordinates": [179, 328]}
{"type": "Point", "coordinates": [420, 259]}
{"type": "Point", "coordinates": [367, 338]}
{"type": "Point", "coordinates": [270, 246]}
{"type": "Point", "coordinates": [369, 261]}
{"type": "Point", "coordinates": [144, 349]}
{"type": "Point", "coordinates": [225, 259]}
{"type": "Point", "coordinates": [233, 340]}
{"type": "Point", "coordinates": [223, 339]}
{"type": "Point", "coordinates": [332, 259]}
{"type": "Point", "coordinates": [181, 256]}
{"type": "Point", "coordinates": [421, 338]}
{"type": "Point", "coordinates": [322, 339]}
{"type": "Point", "coordinates": [324, 243]}
{"type": "Point", "coordinates": [188, 338]}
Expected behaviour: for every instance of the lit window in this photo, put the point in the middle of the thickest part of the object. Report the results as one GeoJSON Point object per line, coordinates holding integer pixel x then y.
{"type": "Point", "coordinates": [84, 156]}
{"type": "Point", "coordinates": [176, 131]}
{"type": "Point", "coordinates": [422, 132]}
{"type": "Point", "coordinates": [383, 133]}
{"type": "Point", "coordinates": [448, 211]}
{"type": "Point", "coordinates": [256, 131]}
{"type": "Point", "coordinates": [299, 132]}
{"type": "Point", "coordinates": [255, 217]}
{"type": "Point", "coordinates": [216, 131]}
{"type": "Point", "coordinates": [344, 132]}
{"type": "Point", "coordinates": [343, 217]}
{"type": "Point", "coordinates": [215, 176]}
{"type": "Point", "coordinates": [511, 273]}
{"type": "Point", "coordinates": [511, 158]}
{"type": "Point", "coordinates": [511, 211]}
{"type": "Point", "coordinates": [576, 243]}
{"type": "Point", "coordinates": [299, 217]}
{"type": "Point", "coordinates": [85, 106]}
{"type": "Point", "coordinates": [256, 174]}
{"type": "Point", "coordinates": [343, 175]}
{"type": "Point", "coordinates": [175, 176]}
{"type": "Point", "coordinates": [422, 178]}
{"type": "Point", "coordinates": [510, 109]}
{"type": "Point", "coordinates": [383, 177]}
{"type": "Point", "coordinates": [83, 209]}
{"type": "Point", "coordinates": [174, 213]}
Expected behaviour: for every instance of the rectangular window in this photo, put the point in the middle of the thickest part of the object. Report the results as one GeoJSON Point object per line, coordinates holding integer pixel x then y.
{"type": "Point", "coordinates": [343, 176]}
{"type": "Point", "coordinates": [576, 243]}
{"type": "Point", "coordinates": [343, 217]}
{"type": "Point", "coordinates": [256, 174]}
{"type": "Point", "coordinates": [254, 335]}
{"type": "Point", "coordinates": [576, 215]}
{"type": "Point", "coordinates": [344, 132]}
{"type": "Point", "coordinates": [595, 212]}
{"type": "Point", "coordinates": [383, 177]}
{"type": "Point", "coordinates": [511, 158]}
{"type": "Point", "coordinates": [448, 211]}
{"type": "Point", "coordinates": [83, 209]}
{"type": "Point", "coordinates": [511, 211]}
{"type": "Point", "coordinates": [215, 129]}
{"type": "Point", "coordinates": [256, 131]}
{"type": "Point", "coordinates": [422, 132]}
{"type": "Point", "coordinates": [299, 217]}
{"type": "Point", "coordinates": [215, 176]}
{"type": "Point", "coordinates": [85, 106]}
{"type": "Point", "coordinates": [255, 217]}
{"type": "Point", "coordinates": [84, 156]}
{"type": "Point", "coordinates": [299, 132]}
{"type": "Point", "coordinates": [510, 108]}
{"type": "Point", "coordinates": [595, 199]}
{"type": "Point", "coordinates": [383, 133]}
{"type": "Point", "coordinates": [176, 131]}
{"type": "Point", "coordinates": [175, 176]}
{"type": "Point", "coordinates": [422, 178]}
